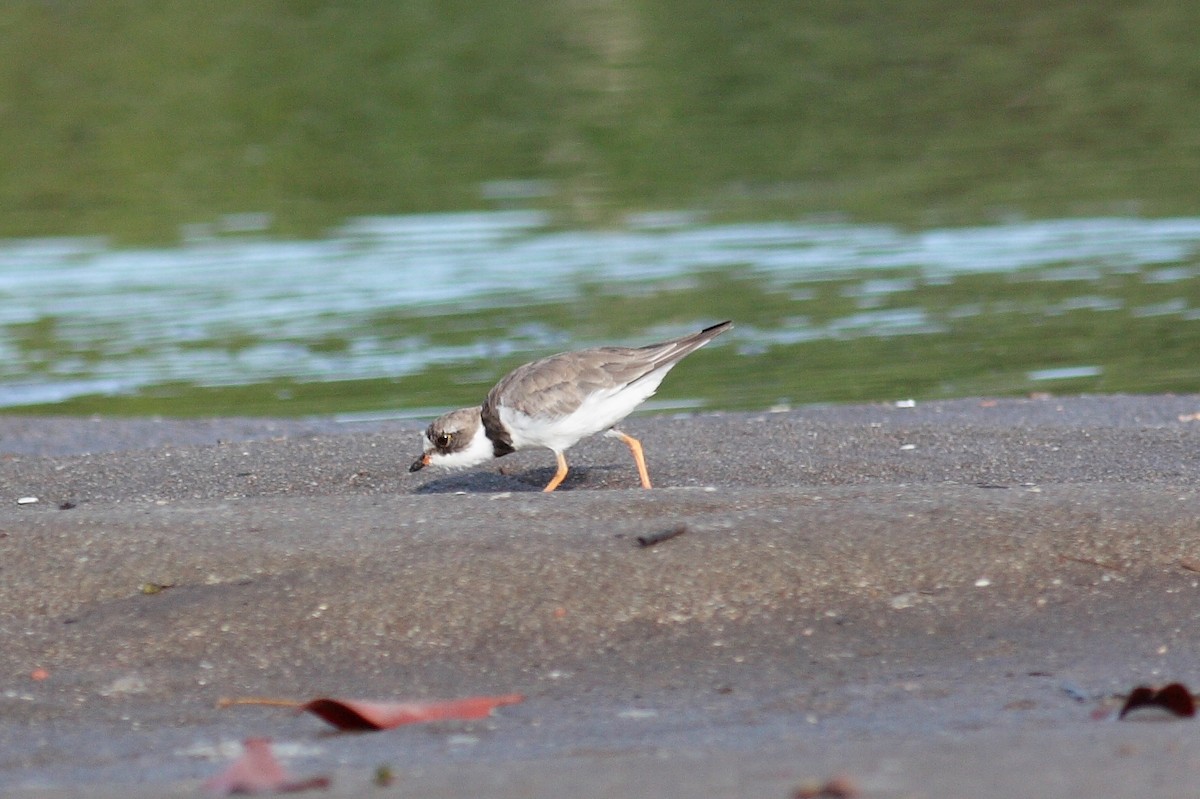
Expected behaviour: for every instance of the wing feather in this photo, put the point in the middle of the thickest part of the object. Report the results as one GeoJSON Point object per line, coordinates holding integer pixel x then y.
{"type": "Point", "coordinates": [558, 385]}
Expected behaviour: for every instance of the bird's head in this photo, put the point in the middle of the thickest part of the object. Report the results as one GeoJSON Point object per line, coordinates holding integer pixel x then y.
{"type": "Point", "coordinates": [454, 441]}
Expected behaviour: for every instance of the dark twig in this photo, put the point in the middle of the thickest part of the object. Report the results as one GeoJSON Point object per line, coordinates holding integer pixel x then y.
{"type": "Point", "coordinates": [662, 535]}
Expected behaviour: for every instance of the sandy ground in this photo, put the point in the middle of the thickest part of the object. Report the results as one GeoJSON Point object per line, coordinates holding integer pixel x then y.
{"type": "Point", "coordinates": [933, 601]}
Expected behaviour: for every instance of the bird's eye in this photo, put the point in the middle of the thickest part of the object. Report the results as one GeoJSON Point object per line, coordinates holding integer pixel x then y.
{"type": "Point", "coordinates": [443, 440]}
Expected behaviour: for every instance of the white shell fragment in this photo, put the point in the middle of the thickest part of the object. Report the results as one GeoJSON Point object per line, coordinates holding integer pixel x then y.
{"type": "Point", "coordinates": [27, 500]}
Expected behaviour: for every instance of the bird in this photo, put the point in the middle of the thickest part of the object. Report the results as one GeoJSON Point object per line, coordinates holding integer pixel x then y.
{"type": "Point", "coordinates": [557, 401]}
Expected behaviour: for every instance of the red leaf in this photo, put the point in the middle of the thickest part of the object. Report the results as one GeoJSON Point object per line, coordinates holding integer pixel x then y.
{"type": "Point", "coordinates": [362, 715]}
{"type": "Point", "coordinates": [257, 771]}
{"type": "Point", "coordinates": [1174, 698]}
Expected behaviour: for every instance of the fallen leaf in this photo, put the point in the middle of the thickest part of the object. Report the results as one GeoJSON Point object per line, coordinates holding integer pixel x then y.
{"type": "Point", "coordinates": [353, 714]}
{"type": "Point", "coordinates": [360, 715]}
{"type": "Point", "coordinates": [1175, 698]}
{"type": "Point", "coordinates": [257, 771]}
{"type": "Point", "coordinates": [839, 787]}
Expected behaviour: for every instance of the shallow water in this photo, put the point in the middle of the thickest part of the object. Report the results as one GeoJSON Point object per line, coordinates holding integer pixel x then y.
{"type": "Point", "coordinates": [404, 315]}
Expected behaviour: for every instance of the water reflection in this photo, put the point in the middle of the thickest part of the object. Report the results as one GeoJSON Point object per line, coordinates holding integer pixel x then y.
{"type": "Point", "coordinates": [384, 298]}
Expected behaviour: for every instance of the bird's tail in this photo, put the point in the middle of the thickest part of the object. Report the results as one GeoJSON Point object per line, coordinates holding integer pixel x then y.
{"type": "Point", "coordinates": [676, 349]}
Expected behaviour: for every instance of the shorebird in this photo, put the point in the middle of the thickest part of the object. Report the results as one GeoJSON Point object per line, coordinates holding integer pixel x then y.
{"type": "Point", "coordinates": [556, 402]}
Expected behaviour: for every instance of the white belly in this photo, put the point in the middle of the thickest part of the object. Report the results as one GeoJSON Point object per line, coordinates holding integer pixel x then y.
{"type": "Point", "coordinates": [599, 412]}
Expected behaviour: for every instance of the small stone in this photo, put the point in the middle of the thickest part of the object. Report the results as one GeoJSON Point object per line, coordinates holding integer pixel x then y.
{"type": "Point", "coordinates": [124, 686]}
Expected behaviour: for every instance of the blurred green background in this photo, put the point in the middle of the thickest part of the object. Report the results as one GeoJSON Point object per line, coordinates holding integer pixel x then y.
{"type": "Point", "coordinates": [201, 124]}
{"type": "Point", "coordinates": [130, 119]}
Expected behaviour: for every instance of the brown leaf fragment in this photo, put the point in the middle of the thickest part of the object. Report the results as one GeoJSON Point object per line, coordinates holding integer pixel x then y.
{"type": "Point", "coordinates": [365, 715]}
{"type": "Point", "coordinates": [358, 714]}
{"type": "Point", "coordinates": [1175, 698]}
{"type": "Point", "coordinates": [839, 787]}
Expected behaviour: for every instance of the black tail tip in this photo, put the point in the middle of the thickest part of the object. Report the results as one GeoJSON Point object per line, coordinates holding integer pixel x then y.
{"type": "Point", "coordinates": [720, 327]}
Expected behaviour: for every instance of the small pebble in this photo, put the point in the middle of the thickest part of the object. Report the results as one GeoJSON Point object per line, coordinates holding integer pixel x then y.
{"type": "Point", "coordinates": [384, 776]}
{"type": "Point", "coordinates": [27, 500]}
{"type": "Point", "coordinates": [637, 713]}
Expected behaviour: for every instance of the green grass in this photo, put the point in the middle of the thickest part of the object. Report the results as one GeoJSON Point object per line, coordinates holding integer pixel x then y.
{"type": "Point", "coordinates": [132, 118]}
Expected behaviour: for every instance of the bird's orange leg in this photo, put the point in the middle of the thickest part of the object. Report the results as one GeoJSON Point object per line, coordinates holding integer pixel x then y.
{"type": "Point", "coordinates": [635, 447]}
{"type": "Point", "coordinates": [559, 475]}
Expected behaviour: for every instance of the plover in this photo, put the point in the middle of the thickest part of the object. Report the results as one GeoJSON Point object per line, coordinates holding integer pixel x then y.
{"type": "Point", "coordinates": [556, 402]}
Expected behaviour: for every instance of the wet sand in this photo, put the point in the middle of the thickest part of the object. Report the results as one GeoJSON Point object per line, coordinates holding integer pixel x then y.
{"type": "Point", "coordinates": [931, 600]}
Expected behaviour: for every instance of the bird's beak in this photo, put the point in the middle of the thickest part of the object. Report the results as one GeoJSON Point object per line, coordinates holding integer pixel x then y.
{"type": "Point", "coordinates": [420, 463]}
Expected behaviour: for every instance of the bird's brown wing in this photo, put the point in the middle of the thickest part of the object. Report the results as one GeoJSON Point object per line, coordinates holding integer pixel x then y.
{"type": "Point", "coordinates": [556, 386]}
